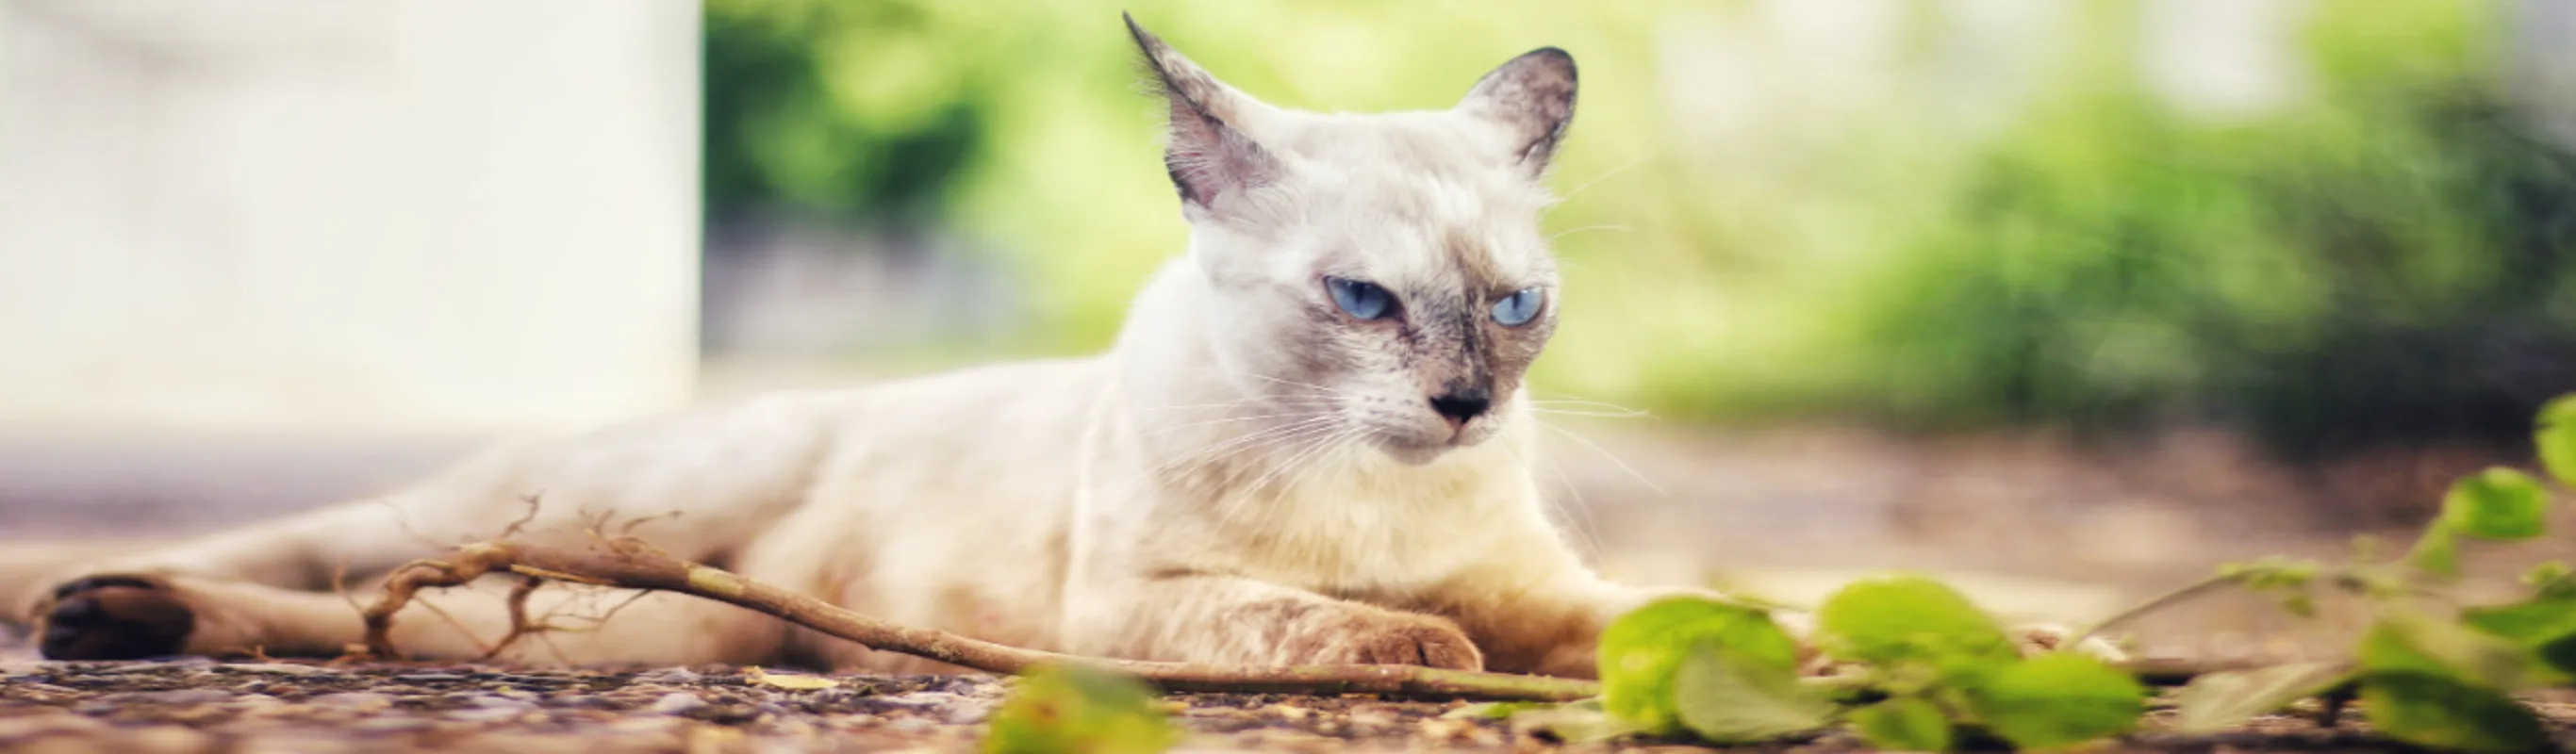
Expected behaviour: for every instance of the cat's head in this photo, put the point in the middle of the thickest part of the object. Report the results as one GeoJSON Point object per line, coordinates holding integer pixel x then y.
{"type": "Point", "coordinates": [1385, 270]}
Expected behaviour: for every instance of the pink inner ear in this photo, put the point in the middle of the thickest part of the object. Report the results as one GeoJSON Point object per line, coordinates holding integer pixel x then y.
{"type": "Point", "coordinates": [1189, 158]}
{"type": "Point", "coordinates": [1205, 158]}
{"type": "Point", "coordinates": [1208, 159]}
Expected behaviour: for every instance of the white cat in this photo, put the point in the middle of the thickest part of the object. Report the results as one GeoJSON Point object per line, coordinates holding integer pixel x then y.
{"type": "Point", "coordinates": [1311, 444]}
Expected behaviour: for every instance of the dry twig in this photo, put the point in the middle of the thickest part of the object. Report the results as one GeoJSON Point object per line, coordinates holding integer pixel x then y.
{"type": "Point", "coordinates": [628, 563]}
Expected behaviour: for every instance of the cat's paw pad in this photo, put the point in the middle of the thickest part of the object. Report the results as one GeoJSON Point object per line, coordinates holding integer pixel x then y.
{"type": "Point", "coordinates": [114, 617]}
{"type": "Point", "coordinates": [2039, 638]}
{"type": "Point", "coordinates": [1391, 640]}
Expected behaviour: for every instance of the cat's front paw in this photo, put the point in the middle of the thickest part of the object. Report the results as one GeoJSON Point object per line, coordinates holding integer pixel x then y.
{"type": "Point", "coordinates": [113, 617]}
{"type": "Point", "coordinates": [1384, 639]}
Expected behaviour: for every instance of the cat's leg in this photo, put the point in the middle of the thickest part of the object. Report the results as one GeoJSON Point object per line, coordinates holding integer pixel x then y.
{"type": "Point", "coordinates": [1554, 628]}
{"type": "Point", "coordinates": [134, 603]}
{"type": "Point", "coordinates": [1235, 620]}
{"type": "Point", "coordinates": [695, 486]}
{"type": "Point", "coordinates": [29, 567]}
{"type": "Point", "coordinates": [1547, 626]}
{"type": "Point", "coordinates": [158, 615]}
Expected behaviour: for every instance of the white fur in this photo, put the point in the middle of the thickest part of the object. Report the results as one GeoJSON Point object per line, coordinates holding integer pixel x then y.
{"type": "Point", "coordinates": [1194, 494]}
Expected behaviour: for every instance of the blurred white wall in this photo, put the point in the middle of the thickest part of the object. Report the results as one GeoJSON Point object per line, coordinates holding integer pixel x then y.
{"type": "Point", "coordinates": [346, 214]}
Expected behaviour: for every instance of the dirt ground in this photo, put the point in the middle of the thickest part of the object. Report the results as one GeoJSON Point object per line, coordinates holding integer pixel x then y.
{"type": "Point", "coordinates": [2034, 526]}
{"type": "Point", "coordinates": [194, 706]}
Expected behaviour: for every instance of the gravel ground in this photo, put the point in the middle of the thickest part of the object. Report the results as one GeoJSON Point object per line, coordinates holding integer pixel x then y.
{"type": "Point", "coordinates": [200, 705]}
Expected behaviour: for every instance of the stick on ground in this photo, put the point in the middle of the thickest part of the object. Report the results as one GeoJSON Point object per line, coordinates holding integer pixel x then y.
{"type": "Point", "coordinates": [628, 563]}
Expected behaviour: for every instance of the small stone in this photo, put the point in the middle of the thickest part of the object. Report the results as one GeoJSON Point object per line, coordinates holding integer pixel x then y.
{"type": "Point", "coordinates": [353, 700]}
{"type": "Point", "coordinates": [645, 725]}
{"type": "Point", "coordinates": [161, 738]}
{"type": "Point", "coordinates": [1446, 729]}
{"type": "Point", "coordinates": [669, 675]}
{"type": "Point", "coordinates": [583, 701]}
{"type": "Point", "coordinates": [922, 699]}
{"type": "Point", "coordinates": [388, 725]}
{"type": "Point", "coordinates": [136, 668]}
{"type": "Point", "coordinates": [173, 696]}
{"type": "Point", "coordinates": [1371, 718]}
{"type": "Point", "coordinates": [491, 714]}
{"type": "Point", "coordinates": [277, 668]}
{"type": "Point", "coordinates": [26, 728]}
{"type": "Point", "coordinates": [677, 703]}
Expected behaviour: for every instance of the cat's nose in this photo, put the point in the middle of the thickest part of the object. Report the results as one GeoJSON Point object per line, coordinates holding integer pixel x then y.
{"type": "Point", "coordinates": [1459, 406]}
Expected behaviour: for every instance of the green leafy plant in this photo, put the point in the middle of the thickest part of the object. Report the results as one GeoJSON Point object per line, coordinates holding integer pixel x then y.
{"type": "Point", "coordinates": [1917, 666]}
{"type": "Point", "coordinates": [1077, 710]}
{"type": "Point", "coordinates": [2427, 673]}
{"type": "Point", "coordinates": [1922, 668]}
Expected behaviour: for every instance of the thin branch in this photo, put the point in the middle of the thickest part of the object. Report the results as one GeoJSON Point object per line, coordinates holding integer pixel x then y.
{"type": "Point", "coordinates": [2159, 602]}
{"type": "Point", "coordinates": [628, 563]}
{"type": "Point", "coordinates": [519, 623]}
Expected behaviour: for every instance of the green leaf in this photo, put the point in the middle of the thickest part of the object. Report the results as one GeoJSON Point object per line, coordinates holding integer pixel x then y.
{"type": "Point", "coordinates": [2407, 643]}
{"type": "Point", "coordinates": [2545, 624]}
{"type": "Point", "coordinates": [1492, 710]}
{"type": "Point", "coordinates": [1576, 722]}
{"type": "Point", "coordinates": [1731, 697]}
{"type": "Point", "coordinates": [1897, 619]}
{"type": "Point", "coordinates": [1076, 709]}
{"type": "Point", "coordinates": [2057, 699]}
{"type": "Point", "coordinates": [2442, 713]}
{"type": "Point", "coordinates": [2556, 439]}
{"type": "Point", "coordinates": [2551, 580]}
{"type": "Point", "coordinates": [2498, 503]}
{"type": "Point", "coordinates": [1907, 723]}
{"type": "Point", "coordinates": [2531, 621]}
{"type": "Point", "coordinates": [2216, 701]}
{"type": "Point", "coordinates": [2438, 552]}
{"type": "Point", "coordinates": [2301, 605]}
{"type": "Point", "coordinates": [1642, 651]}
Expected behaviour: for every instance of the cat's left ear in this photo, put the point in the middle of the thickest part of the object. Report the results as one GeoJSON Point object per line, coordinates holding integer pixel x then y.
{"type": "Point", "coordinates": [1532, 99]}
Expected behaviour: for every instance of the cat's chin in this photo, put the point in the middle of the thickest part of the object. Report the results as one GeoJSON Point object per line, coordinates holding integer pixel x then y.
{"type": "Point", "coordinates": [1417, 452]}
{"type": "Point", "coordinates": [1415, 455]}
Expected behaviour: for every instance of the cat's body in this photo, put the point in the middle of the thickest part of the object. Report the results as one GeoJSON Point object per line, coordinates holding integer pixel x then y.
{"type": "Point", "coordinates": [1309, 445]}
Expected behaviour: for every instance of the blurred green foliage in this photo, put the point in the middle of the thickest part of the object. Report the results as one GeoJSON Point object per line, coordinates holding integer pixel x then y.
{"type": "Point", "coordinates": [2388, 254]}
{"type": "Point", "coordinates": [2394, 260]}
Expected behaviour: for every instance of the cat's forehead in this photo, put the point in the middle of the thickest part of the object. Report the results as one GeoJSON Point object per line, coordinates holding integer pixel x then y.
{"type": "Point", "coordinates": [1421, 195]}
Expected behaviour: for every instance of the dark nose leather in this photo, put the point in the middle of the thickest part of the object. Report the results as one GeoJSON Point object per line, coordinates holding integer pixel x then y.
{"type": "Point", "coordinates": [1460, 406]}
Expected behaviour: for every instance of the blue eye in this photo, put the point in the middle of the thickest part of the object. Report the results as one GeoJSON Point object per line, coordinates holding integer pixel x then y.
{"type": "Point", "coordinates": [1519, 308]}
{"type": "Point", "coordinates": [1362, 299]}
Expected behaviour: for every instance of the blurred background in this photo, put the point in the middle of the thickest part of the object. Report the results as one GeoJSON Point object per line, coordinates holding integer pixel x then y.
{"type": "Point", "coordinates": [2072, 298]}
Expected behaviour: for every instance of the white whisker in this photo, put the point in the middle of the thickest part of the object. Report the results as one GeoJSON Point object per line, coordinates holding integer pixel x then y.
{"type": "Point", "coordinates": [1604, 414]}
{"type": "Point", "coordinates": [1596, 448]}
{"type": "Point", "coordinates": [1571, 231]}
{"type": "Point", "coordinates": [1605, 175]}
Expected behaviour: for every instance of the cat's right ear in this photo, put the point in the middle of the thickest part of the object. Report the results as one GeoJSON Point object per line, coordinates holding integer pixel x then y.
{"type": "Point", "coordinates": [1211, 162]}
